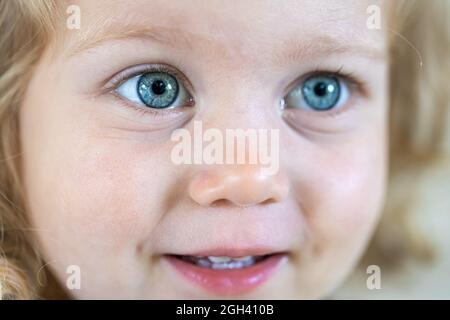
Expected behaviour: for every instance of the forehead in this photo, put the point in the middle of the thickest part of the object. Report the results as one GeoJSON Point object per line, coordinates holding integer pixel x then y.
{"type": "Point", "coordinates": [248, 13]}
{"type": "Point", "coordinates": [251, 28]}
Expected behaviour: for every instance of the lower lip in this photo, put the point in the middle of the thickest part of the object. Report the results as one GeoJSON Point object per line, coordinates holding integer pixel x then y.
{"type": "Point", "coordinates": [231, 281]}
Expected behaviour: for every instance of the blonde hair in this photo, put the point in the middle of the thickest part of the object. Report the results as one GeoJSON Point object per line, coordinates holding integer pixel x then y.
{"type": "Point", "coordinates": [419, 103]}
{"type": "Point", "coordinates": [25, 29]}
{"type": "Point", "coordinates": [420, 36]}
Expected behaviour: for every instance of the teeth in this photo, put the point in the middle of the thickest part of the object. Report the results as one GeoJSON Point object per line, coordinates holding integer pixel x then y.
{"type": "Point", "coordinates": [222, 262]}
{"type": "Point", "coordinates": [243, 258]}
{"type": "Point", "coordinates": [219, 259]}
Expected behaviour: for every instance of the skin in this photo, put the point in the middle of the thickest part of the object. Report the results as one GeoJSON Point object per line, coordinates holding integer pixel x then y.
{"type": "Point", "coordinates": [103, 194]}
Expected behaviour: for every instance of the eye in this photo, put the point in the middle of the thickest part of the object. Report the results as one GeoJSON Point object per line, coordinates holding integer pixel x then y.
{"type": "Point", "coordinates": [157, 90]}
{"type": "Point", "coordinates": [318, 93]}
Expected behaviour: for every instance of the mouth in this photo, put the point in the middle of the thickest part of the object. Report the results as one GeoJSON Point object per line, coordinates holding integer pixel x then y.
{"type": "Point", "coordinates": [223, 262]}
{"type": "Point", "coordinates": [227, 274]}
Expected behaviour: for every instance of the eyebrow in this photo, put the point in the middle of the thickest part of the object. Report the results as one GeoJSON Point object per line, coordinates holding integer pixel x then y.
{"type": "Point", "coordinates": [326, 45]}
{"type": "Point", "coordinates": [297, 47]}
{"type": "Point", "coordinates": [169, 37]}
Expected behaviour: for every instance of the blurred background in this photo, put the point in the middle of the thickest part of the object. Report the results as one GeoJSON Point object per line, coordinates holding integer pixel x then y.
{"type": "Point", "coordinates": [429, 279]}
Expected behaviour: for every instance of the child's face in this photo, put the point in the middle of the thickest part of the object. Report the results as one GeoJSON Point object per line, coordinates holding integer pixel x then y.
{"type": "Point", "coordinates": [104, 193]}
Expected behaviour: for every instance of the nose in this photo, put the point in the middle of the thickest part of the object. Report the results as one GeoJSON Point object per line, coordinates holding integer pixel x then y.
{"type": "Point", "coordinates": [242, 185]}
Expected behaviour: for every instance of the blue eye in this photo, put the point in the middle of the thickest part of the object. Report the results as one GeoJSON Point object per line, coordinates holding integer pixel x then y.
{"type": "Point", "coordinates": [157, 90]}
{"type": "Point", "coordinates": [318, 92]}
{"type": "Point", "coordinates": [321, 92]}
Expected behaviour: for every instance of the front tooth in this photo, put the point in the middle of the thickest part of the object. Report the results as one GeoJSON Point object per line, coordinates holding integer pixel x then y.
{"type": "Point", "coordinates": [243, 258]}
{"type": "Point", "coordinates": [219, 259]}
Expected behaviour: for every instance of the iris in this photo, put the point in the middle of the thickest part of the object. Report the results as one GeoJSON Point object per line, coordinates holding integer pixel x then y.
{"type": "Point", "coordinates": [157, 90]}
{"type": "Point", "coordinates": [321, 92]}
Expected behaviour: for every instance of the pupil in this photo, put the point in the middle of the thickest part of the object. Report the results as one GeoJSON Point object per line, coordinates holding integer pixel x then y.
{"type": "Point", "coordinates": [320, 89]}
{"type": "Point", "coordinates": [158, 87]}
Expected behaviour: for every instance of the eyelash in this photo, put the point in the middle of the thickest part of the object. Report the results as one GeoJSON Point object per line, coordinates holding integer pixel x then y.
{"type": "Point", "coordinates": [354, 82]}
{"type": "Point", "coordinates": [349, 77]}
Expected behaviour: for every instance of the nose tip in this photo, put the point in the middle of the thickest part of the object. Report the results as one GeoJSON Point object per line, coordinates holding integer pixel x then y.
{"type": "Point", "coordinates": [242, 185]}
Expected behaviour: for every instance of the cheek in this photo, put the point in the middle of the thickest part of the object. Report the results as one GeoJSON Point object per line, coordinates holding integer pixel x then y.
{"type": "Point", "coordinates": [342, 192]}
{"type": "Point", "coordinates": [356, 187]}
{"type": "Point", "coordinates": [121, 194]}
{"type": "Point", "coordinates": [101, 197]}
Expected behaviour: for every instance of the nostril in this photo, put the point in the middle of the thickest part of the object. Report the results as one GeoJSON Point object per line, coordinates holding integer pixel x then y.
{"type": "Point", "coordinates": [223, 203]}
{"type": "Point", "coordinates": [220, 203]}
{"type": "Point", "coordinates": [268, 201]}
{"type": "Point", "coordinates": [257, 196]}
